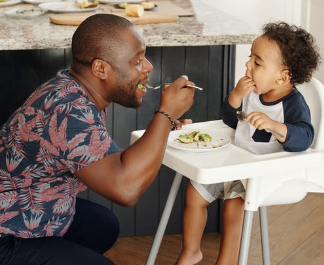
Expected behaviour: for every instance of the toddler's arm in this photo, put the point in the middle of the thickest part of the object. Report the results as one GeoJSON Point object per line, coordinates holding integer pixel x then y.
{"type": "Point", "coordinates": [244, 86]}
{"type": "Point", "coordinates": [233, 102]}
{"type": "Point", "coordinates": [300, 131]}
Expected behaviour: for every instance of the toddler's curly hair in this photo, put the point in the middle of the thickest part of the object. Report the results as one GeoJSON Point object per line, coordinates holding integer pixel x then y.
{"type": "Point", "coordinates": [298, 50]}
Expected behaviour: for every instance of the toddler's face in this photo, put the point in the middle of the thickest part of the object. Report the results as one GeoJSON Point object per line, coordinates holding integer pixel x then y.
{"type": "Point", "coordinates": [265, 64]}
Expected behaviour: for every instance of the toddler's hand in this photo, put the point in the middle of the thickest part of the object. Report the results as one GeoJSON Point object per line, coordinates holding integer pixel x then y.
{"type": "Point", "coordinates": [243, 87]}
{"type": "Point", "coordinates": [260, 120]}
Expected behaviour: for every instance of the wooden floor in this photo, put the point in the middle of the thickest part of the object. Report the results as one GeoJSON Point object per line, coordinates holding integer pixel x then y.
{"type": "Point", "coordinates": [296, 235]}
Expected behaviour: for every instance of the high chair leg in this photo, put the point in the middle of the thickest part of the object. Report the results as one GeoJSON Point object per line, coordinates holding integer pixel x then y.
{"type": "Point", "coordinates": [264, 235]}
{"type": "Point", "coordinates": [246, 235]}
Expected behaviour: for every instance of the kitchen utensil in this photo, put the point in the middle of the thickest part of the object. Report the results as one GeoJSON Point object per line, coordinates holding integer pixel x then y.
{"type": "Point", "coordinates": [162, 85]}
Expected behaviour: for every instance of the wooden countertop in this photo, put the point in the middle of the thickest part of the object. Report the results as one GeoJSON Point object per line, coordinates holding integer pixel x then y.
{"type": "Point", "coordinates": [211, 25]}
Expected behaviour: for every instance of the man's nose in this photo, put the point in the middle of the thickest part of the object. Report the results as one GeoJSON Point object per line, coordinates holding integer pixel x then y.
{"type": "Point", "coordinates": [147, 66]}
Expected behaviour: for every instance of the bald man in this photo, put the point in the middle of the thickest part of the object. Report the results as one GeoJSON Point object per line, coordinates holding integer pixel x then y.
{"type": "Point", "coordinates": [56, 144]}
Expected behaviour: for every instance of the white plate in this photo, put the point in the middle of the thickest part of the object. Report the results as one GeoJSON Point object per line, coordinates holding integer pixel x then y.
{"type": "Point", "coordinates": [65, 7]}
{"type": "Point", "coordinates": [119, 1]}
{"type": "Point", "coordinates": [218, 141]}
{"type": "Point", "coordinates": [9, 2]}
{"type": "Point", "coordinates": [23, 12]}
{"type": "Point", "coordinates": [36, 2]}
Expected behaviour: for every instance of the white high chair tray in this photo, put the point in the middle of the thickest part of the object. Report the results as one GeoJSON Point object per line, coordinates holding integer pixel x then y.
{"type": "Point", "coordinates": [232, 162]}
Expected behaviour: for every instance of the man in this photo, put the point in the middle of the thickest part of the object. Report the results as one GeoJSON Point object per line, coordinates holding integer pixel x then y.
{"type": "Point", "coordinates": [56, 144]}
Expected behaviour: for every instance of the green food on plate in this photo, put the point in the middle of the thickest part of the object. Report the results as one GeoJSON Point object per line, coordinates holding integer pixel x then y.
{"type": "Point", "coordinates": [194, 136]}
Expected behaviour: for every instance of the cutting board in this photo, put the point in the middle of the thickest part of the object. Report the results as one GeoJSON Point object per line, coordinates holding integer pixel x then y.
{"type": "Point", "coordinates": [75, 19]}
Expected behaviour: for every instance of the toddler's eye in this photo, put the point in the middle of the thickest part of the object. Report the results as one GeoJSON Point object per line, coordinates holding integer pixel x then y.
{"type": "Point", "coordinates": [257, 63]}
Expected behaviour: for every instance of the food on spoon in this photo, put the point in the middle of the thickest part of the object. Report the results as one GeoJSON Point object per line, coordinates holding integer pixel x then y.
{"type": "Point", "coordinates": [141, 86]}
{"type": "Point", "coordinates": [194, 136]}
{"type": "Point", "coordinates": [148, 5]}
{"type": "Point", "coordinates": [83, 4]}
{"type": "Point", "coordinates": [134, 10]}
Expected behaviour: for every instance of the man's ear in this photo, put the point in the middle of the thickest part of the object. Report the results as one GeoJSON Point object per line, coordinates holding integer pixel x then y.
{"type": "Point", "coordinates": [100, 68]}
{"type": "Point", "coordinates": [284, 77]}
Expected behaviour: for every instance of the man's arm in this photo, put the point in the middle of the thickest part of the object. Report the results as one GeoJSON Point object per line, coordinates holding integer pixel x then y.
{"type": "Point", "coordinates": [124, 177]}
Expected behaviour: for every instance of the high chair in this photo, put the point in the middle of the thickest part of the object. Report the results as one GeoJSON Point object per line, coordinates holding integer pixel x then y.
{"type": "Point", "coordinates": [286, 177]}
{"type": "Point", "coordinates": [288, 186]}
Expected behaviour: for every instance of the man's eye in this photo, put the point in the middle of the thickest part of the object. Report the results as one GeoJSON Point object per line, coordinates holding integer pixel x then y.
{"type": "Point", "coordinates": [138, 61]}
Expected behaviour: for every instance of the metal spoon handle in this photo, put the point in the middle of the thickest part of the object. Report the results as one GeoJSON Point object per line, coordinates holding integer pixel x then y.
{"type": "Point", "coordinates": [196, 87]}
{"type": "Point", "coordinates": [162, 85]}
{"type": "Point", "coordinates": [274, 132]}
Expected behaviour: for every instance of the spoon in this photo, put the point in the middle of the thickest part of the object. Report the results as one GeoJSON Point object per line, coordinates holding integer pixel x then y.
{"type": "Point", "coordinates": [241, 115]}
{"type": "Point", "coordinates": [162, 85]}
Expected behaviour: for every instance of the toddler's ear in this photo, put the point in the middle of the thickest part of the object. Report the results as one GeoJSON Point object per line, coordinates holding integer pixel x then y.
{"type": "Point", "coordinates": [284, 77]}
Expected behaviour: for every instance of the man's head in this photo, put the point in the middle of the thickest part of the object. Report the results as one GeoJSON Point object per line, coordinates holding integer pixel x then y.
{"type": "Point", "coordinates": [112, 48]}
{"type": "Point", "coordinates": [99, 36]}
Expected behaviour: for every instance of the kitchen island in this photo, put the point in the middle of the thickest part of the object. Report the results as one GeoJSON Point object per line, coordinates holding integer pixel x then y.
{"type": "Point", "coordinates": [208, 26]}
{"type": "Point", "coordinates": [201, 46]}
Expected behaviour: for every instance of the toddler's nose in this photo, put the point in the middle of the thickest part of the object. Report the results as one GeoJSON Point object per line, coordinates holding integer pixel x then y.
{"type": "Point", "coordinates": [248, 73]}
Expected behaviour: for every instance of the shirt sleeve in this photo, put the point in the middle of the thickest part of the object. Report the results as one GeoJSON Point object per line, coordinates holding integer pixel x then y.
{"type": "Point", "coordinates": [300, 131]}
{"type": "Point", "coordinates": [228, 114]}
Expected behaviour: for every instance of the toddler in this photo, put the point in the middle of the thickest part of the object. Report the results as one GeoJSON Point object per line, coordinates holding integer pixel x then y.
{"type": "Point", "coordinates": [282, 57]}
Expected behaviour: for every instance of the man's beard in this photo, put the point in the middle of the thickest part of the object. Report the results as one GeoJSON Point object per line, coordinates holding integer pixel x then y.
{"type": "Point", "coordinates": [123, 95]}
{"type": "Point", "coordinates": [124, 98]}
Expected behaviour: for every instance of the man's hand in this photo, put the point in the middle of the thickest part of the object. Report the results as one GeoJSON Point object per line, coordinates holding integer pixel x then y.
{"type": "Point", "coordinates": [176, 99]}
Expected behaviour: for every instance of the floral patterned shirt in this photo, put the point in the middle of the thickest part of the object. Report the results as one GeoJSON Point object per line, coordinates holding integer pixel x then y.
{"type": "Point", "coordinates": [55, 133]}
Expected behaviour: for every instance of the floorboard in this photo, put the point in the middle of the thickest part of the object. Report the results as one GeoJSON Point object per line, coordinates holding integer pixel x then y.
{"type": "Point", "coordinates": [296, 233]}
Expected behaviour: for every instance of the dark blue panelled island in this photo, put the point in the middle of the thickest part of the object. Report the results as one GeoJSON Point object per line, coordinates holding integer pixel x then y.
{"type": "Point", "coordinates": [201, 46]}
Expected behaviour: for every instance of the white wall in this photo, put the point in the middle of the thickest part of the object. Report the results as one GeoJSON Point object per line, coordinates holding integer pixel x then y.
{"type": "Point", "coordinates": [305, 13]}
{"type": "Point", "coordinates": [315, 24]}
